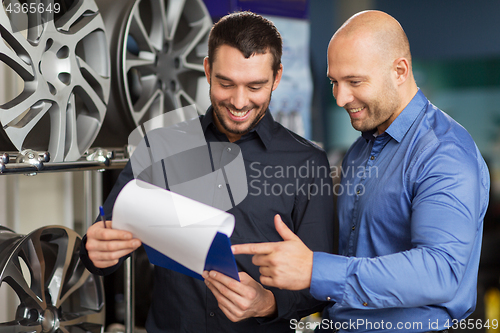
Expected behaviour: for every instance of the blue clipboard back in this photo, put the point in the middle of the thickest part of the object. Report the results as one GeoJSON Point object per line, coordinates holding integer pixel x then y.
{"type": "Point", "coordinates": [220, 258]}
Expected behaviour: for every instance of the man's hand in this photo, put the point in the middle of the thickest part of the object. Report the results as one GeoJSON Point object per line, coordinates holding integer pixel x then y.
{"type": "Point", "coordinates": [286, 265]}
{"type": "Point", "coordinates": [240, 300]}
{"type": "Point", "coordinates": [105, 245]}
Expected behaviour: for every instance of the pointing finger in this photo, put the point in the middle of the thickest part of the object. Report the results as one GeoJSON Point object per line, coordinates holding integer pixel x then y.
{"type": "Point", "coordinates": [283, 229]}
{"type": "Point", "coordinates": [253, 248]}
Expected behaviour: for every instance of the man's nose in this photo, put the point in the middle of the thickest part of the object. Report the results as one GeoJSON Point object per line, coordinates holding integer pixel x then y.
{"type": "Point", "coordinates": [240, 98]}
{"type": "Point", "coordinates": [343, 95]}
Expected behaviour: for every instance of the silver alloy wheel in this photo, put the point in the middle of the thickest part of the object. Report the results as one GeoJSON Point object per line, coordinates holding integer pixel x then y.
{"type": "Point", "coordinates": [157, 48]}
{"type": "Point", "coordinates": [55, 292]}
{"type": "Point", "coordinates": [63, 62]}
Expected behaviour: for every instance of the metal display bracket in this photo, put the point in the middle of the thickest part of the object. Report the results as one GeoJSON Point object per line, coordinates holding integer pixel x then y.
{"type": "Point", "coordinates": [30, 163]}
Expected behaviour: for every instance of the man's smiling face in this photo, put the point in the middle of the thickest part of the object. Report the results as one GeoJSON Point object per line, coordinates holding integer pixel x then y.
{"type": "Point", "coordinates": [240, 89]}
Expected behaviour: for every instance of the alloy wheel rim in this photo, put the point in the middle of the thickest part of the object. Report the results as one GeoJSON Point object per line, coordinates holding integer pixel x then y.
{"type": "Point", "coordinates": [162, 58]}
{"type": "Point", "coordinates": [63, 63]}
{"type": "Point", "coordinates": [55, 292]}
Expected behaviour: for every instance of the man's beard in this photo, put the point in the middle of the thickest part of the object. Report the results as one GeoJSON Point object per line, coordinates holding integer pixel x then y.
{"type": "Point", "coordinates": [382, 109]}
{"type": "Point", "coordinates": [225, 123]}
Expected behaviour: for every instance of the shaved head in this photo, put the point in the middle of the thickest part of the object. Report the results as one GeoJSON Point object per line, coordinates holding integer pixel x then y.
{"type": "Point", "coordinates": [369, 66]}
{"type": "Point", "coordinates": [381, 30]}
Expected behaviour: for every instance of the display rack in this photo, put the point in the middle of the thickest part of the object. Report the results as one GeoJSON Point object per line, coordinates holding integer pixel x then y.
{"type": "Point", "coordinates": [30, 162]}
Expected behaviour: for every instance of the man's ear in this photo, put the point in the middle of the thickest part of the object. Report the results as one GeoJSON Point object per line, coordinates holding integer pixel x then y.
{"type": "Point", "coordinates": [277, 78]}
{"type": "Point", "coordinates": [402, 70]}
{"type": "Point", "coordinates": [206, 66]}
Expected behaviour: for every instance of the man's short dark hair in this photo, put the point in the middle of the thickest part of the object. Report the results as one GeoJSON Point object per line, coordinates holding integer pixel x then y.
{"type": "Point", "coordinates": [249, 33]}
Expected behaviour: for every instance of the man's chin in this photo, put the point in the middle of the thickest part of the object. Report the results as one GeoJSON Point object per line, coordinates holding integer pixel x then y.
{"type": "Point", "coordinates": [362, 126]}
{"type": "Point", "coordinates": [356, 125]}
{"type": "Point", "coordinates": [237, 131]}
{"type": "Point", "coordinates": [236, 127]}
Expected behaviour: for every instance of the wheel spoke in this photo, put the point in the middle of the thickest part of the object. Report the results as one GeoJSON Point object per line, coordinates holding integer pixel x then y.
{"type": "Point", "coordinates": [35, 23]}
{"type": "Point", "coordinates": [138, 31]}
{"type": "Point", "coordinates": [75, 12]}
{"type": "Point", "coordinates": [195, 67]}
{"type": "Point", "coordinates": [81, 277]}
{"type": "Point", "coordinates": [56, 283]}
{"type": "Point", "coordinates": [145, 107]}
{"type": "Point", "coordinates": [174, 13]}
{"type": "Point", "coordinates": [134, 62]}
{"type": "Point", "coordinates": [34, 259]}
{"type": "Point", "coordinates": [156, 33]}
{"type": "Point", "coordinates": [163, 18]}
{"type": "Point", "coordinates": [149, 86]}
{"type": "Point", "coordinates": [79, 319]}
{"type": "Point", "coordinates": [102, 81]}
{"type": "Point", "coordinates": [5, 20]}
{"type": "Point", "coordinates": [20, 127]}
{"type": "Point", "coordinates": [83, 28]}
{"type": "Point", "coordinates": [71, 140]}
{"type": "Point", "coordinates": [12, 58]}
{"type": "Point", "coordinates": [15, 278]}
{"type": "Point", "coordinates": [58, 131]}
{"type": "Point", "coordinates": [184, 95]}
{"type": "Point", "coordinates": [92, 98]}
{"type": "Point", "coordinates": [200, 31]}
{"type": "Point", "coordinates": [48, 15]}
{"type": "Point", "coordinates": [14, 111]}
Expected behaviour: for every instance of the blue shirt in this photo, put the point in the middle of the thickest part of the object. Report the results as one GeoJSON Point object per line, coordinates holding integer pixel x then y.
{"type": "Point", "coordinates": [411, 206]}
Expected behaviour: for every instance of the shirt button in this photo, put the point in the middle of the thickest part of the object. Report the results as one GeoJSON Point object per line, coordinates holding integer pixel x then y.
{"type": "Point", "coordinates": [212, 314]}
{"type": "Point", "coordinates": [365, 304]}
{"type": "Point", "coordinates": [353, 227]}
{"type": "Point", "coordinates": [358, 192]}
{"type": "Point", "coordinates": [372, 157]}
{"type": "Point", "coordinates": [228, 148]}
{"type": "Point", "coordinates": [219, 186]}
{"type": "Point", "coordinates": [328, 298]}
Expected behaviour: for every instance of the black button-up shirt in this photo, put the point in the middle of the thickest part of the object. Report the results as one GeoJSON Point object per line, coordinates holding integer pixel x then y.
{"type": "Point", "coordinates": [286, 175]}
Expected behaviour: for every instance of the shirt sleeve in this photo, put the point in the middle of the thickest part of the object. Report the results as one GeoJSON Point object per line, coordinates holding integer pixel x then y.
{"type": "Point", "coordinates": [448, 187]}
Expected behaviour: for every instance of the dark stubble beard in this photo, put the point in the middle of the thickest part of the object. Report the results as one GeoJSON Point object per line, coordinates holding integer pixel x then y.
{"type": "Point", "coordinates": [383, 108]}
{"type": "Point", "coordinates": [225, 124]}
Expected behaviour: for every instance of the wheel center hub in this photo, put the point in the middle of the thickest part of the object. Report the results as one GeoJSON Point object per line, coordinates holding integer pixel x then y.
{"type": "Point", "coordinates": [55, 66]}
{"type": "Point", "coordinates": [50, 320]}
{"type": "Point", "coordinates": [168, 67]}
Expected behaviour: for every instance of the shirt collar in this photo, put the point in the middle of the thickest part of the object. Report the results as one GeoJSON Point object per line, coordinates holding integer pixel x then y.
{"type": "Point", "coordinates": [207, 119]}
{"type": "Point", "coordinates": [369, 135]}
{"type": "Point", "coordinates": [263, 129]}
{"type": "Point", "coordinates": [400, 126]}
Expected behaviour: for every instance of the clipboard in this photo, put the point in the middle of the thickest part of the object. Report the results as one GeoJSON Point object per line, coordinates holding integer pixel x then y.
{"type": "Point", "coordinates": [219, 258]}
{"type": "Point", "coordinates": [178, 233]}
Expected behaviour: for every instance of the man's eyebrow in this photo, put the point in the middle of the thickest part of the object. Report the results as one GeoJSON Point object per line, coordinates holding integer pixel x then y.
{"type": "Point", "coordinates": [348, 77]}
{"type": "Point", "coordinates": [222, 77]}
{"type": "Point", "coordinates": [354, 77]}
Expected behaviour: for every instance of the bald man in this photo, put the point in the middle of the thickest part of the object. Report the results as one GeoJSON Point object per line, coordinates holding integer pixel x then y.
{"type": "Point", "coordinates": [410, 232]}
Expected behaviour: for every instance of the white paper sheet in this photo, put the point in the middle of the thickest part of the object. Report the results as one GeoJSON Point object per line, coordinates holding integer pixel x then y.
{"type": "Point", "coordinates": [178, 227]}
